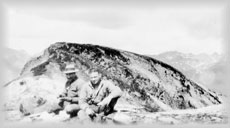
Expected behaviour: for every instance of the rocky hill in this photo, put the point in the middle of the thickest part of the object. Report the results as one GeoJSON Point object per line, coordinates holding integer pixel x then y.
{"type": "Point", "coordinates": [147, 83]}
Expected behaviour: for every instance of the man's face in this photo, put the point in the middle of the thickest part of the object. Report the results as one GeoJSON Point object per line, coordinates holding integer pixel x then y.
{"type": "Point", "coordinates": [70, 75]}
{"type": "Point", "coordinates": [95, 77]}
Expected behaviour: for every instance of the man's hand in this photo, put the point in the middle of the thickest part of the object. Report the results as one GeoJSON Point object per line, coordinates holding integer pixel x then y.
{"type": "Point", "coordinates": [89, 112]}
{"type": "Point", "coordinates": [65, 98]}
{"type": "Point", "coordinates": [105, 102]}
{"type": "Point", "coordinates": [62, 95]}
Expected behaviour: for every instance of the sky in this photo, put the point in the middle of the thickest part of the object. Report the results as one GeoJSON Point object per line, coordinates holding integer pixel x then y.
{"type": "Point", "coordinates": [144, 28]}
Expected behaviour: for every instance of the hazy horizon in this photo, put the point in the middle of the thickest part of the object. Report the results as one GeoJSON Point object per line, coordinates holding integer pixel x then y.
{"type": "Point", "coordinates": [42, 50]}
{"type": "Point", "coordinates": [146, 28]}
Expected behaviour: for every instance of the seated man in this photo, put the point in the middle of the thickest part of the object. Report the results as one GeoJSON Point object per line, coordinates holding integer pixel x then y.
{"type": "Point", "coordinates": [69, 98]}
{"type": "Point", "coordinates": [97, 96]}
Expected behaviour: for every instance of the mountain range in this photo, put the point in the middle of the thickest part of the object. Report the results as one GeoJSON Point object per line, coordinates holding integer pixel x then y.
{"type": "Point", "coordinates": [13, 61]}
{"type": "Point", "coordinates": [205, 69]}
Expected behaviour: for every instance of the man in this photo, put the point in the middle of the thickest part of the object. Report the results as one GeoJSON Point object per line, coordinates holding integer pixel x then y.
{"type": "Point", "coordinates": [69, 98]}
{"type": "Point", "coordinates": [97, 97]}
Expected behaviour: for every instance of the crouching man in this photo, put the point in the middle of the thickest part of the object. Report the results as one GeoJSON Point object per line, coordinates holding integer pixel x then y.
{"type": "Point", "coordinates": [97, 97]}
{"type": "Point", "coordinates": [69, 99]}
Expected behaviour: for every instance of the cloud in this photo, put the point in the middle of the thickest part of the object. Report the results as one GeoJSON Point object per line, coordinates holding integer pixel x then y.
{"type": "Point", "coordinates": [208, 26]}
{"type": "Point", "coordinates": [107, 20]}
{"type": "Point", "coordinates": [97, 16]}
{"type": "Point", "coordinates": [132, 28]}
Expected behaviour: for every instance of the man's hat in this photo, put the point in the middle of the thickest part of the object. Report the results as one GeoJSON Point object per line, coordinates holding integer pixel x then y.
{"type": "Point", "coordinates": [70, 68]}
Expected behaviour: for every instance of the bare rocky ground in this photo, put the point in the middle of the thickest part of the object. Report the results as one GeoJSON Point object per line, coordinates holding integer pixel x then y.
{"type": "Point", "coordinates": [130, 114]}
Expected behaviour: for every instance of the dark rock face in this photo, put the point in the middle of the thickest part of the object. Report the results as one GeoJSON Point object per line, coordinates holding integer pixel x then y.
{"type": "Point", "coordinates": [151, 83]}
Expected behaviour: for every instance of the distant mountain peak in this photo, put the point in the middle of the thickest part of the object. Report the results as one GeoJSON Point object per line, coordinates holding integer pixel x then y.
{"type": "Point", "coordinates": [198, 67]}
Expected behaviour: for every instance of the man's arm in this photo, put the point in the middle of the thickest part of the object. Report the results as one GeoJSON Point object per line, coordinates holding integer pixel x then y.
{"type": "Point", "coordinates": [75, 99]}
{"type": "Point", "coordinates": [83, 98]}
{"type": "Point", "coordinates": [114, 92]}
{"type": "Point", "coordinates": [63, 94]}
{"type": "Point", "coordinates": [83, 101]}
{"type": "Point", "coordinates": [75, 90]}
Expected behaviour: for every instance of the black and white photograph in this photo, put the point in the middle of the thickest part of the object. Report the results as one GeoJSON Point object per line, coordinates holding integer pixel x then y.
{"type": "Point", "coordinates": [115, 63]}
